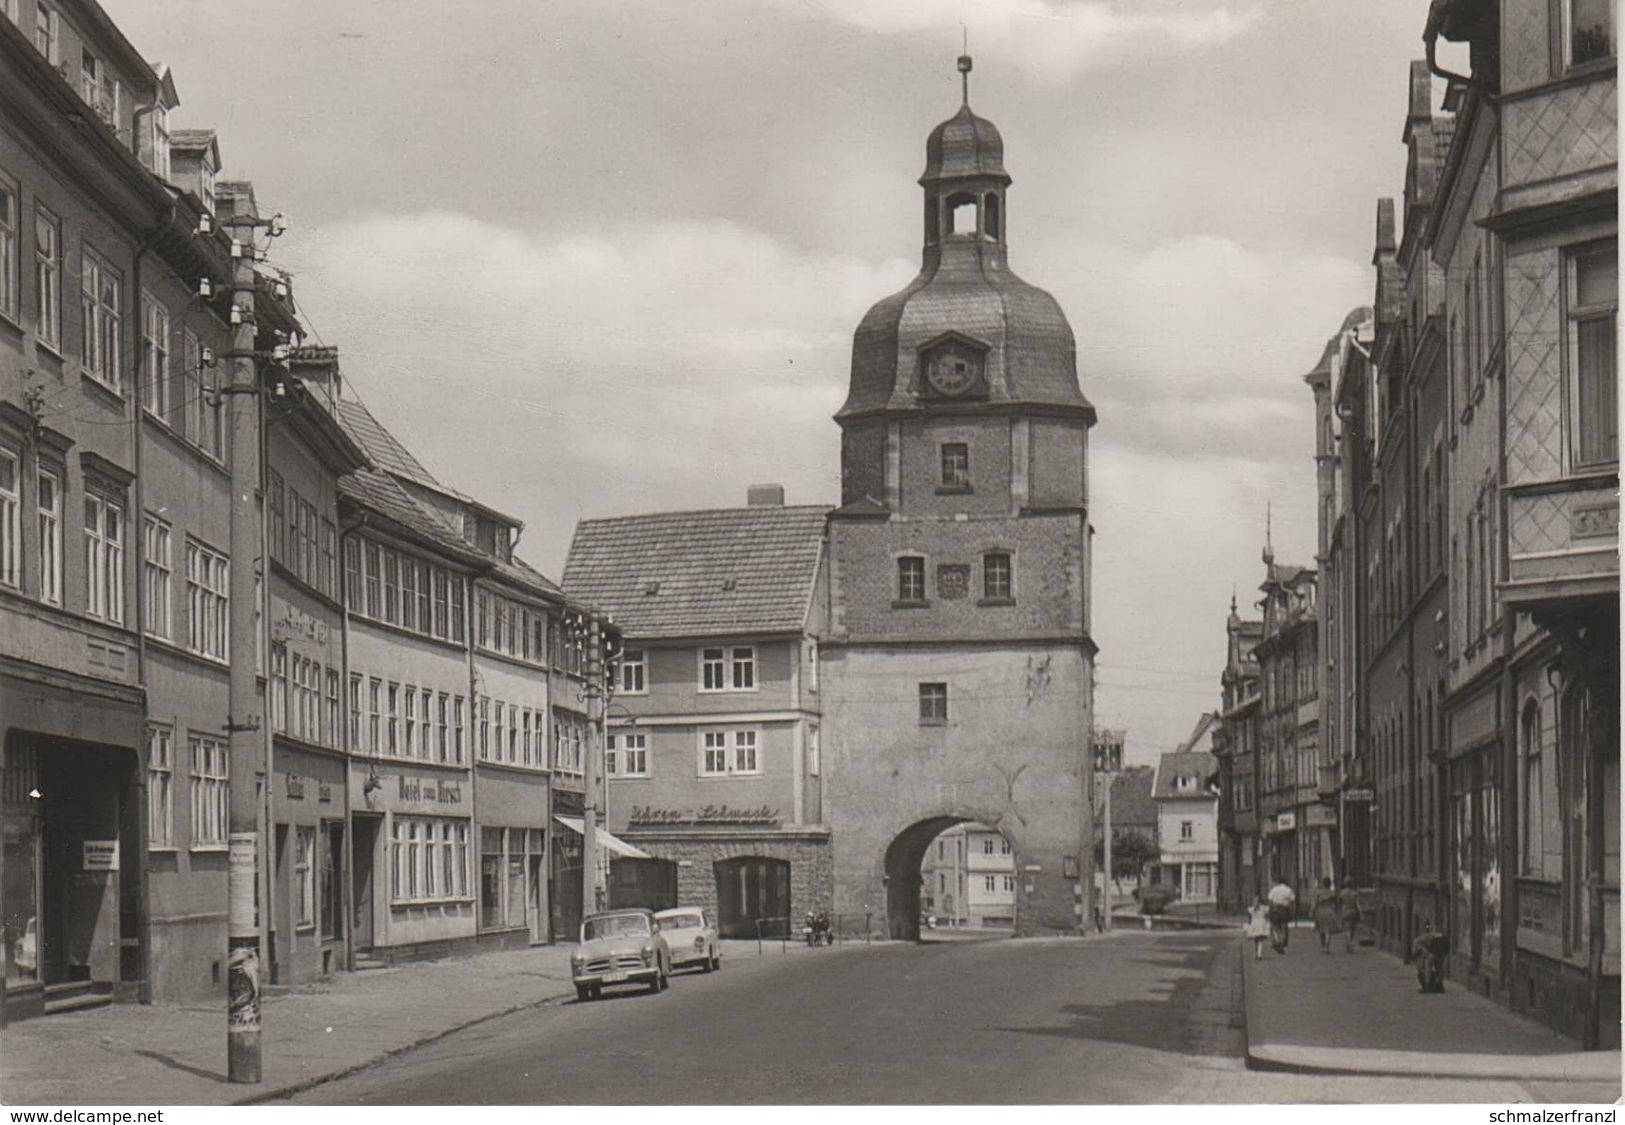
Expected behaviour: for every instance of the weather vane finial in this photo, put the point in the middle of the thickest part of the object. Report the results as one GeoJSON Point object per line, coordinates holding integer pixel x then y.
{"type": "Point", "coordinates": [964, 64]}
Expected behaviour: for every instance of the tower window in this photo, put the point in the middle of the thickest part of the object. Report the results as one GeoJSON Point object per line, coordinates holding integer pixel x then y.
{"type": "Point", "coordinates": [911, 579]}
{"type": "Point", "coordinates": [956, 466]}
{"type": "Point", "coordinates": [933, 704]}
{"type": "Point", "coordinates": [962, 214]}
{"type": "Point", "coordinates": [996, 577]}
{"type": "Point", "coordinates": [990, 216]}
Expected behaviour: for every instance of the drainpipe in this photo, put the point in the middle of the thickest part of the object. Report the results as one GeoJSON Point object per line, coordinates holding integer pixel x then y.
{"type": "Point", "coordinates": [143, 921]}
{"type": "Point", "coordinates": [348, 873]}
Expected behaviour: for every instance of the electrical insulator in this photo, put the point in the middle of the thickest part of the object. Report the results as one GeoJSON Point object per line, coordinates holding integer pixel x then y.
{"type": "Point", "coordinates": [236, 248]}
{"type": "Point", "coordinates": [236, 314]}
{"type": "Point", "coordinates": [205, 224]}
{"type": "Point", "coordinates": [205, 288]}
{"type": "Point", "coordinates": [208, 357]}
{"type": "Point", "coordinates": [280, 353]}
{"type": "Point", "coordinates": [279, 225]}
{"type": "Point", "coordinates": [281, 289]}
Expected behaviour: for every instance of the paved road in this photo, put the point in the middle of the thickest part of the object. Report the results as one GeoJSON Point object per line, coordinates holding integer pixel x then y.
{"type": "Point", "coordinates": [1125, 1019]}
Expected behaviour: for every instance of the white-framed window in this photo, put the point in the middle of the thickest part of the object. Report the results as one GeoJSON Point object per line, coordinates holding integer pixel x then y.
{"type": "Point", "coordinates": [998, 576]}
{"type": "Point", "coordinates": [442, 742]}
{"type": "Point", "coordinates": [207, 174]}
{"type": "Point", "coordinates": [744, 668]}
{"type": "Point", "coordinates": [425, 728]}
{"type": "Point", "coordinates": [101, 315]}
{"type": "Point", "coordinates": [429, 859]}
{"type": "Point", "coordinates": [714, 753]}
{"type": "Point", "coordinates": [1187, 830]}
{"type": "Point", "coordinates": [157, 568]}
{"type": "Point", "coordinates": [713, 669]}
{"type": "Point", "coordinates": [1009, 884]}
{"type": "Point", "coordinates": [933, 704]}
{"type": "Point", "coordinates": [158, 139]}
{"type": "Point", "coordinates": [457, 728]}
{"type": "Point", "coordinates": [987, 845]}
{"type": "Point", "coordinates": [207, 599]}
{"type": "Point", "coordinates": [910, 579]}
{"type": "Point", "coordinates": [45, 33]}
{"type": "Point", "coordinates": [956, 466]}
{"type": "Point", "coordinates": [990, 884]}
{"type": "Point", "coordinates": [483, 705]}
{"type": "Point", "coordinates": [160, 787]}
{"type": "Point", "coordinates": [304, 874]}
{"type": "Point", "coordinates": [47, 277]}
{"type": "Point", "coordinates": [634, 755]}
{"type": "Point", "coordinates": [330, 728]}
{"type": "Point", "coordinates": [375, 694]}
{"type": "Point", "coordinates": [11, 519]}
{"type": "Point", "coordinates": [10, 279]}
{"type": "Point", "coordinates": [48, 507]}
{"type": "Point", "coordinates": [1593, 314]}
{"type": "Point", "coordinates": [104, 558]}
{"type": "Point", "coordinates": [210, 792]}
{"type": "Point", "coordinates": [633, 669]}
{"type": "Point", "coordinates": [279, 687]}
{"type": "Point", "coordinates": [411, 720]}
{"type": "Point", "coordinates": [813, 750]}
{"type": "Point", "coordinates": [356, 687]}
{"type": "Point", "coordinates": [392, 718]}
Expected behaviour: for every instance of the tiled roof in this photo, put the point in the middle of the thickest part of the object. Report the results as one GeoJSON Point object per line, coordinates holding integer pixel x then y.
{"type": "Point", "coordinates": [381, 493]}
{"type": "Point", "coordinates": [686, 574]}
{"type": "Point", "coordinates": [1444, 131]}
{"type": "Point", "coordinates": [1197, 765]}
{"type": "Point", "coordinates": [522, 573]}
{"type": "Point", "coordinates": [381, 445]}
{"type": "Point", "coordinates": [1132, 806]}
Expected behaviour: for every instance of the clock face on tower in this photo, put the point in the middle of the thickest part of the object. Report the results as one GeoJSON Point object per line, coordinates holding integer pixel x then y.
{"type": "Point", "coordinates": [953, 368]}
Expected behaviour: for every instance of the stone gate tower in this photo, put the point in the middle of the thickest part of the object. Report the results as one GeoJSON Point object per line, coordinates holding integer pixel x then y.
{"type": "Point", "coordinates": [958, 667]}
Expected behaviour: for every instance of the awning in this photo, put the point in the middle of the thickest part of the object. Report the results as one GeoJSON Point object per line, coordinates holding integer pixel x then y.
{"type": "Point", "coordinates": [604, 838]}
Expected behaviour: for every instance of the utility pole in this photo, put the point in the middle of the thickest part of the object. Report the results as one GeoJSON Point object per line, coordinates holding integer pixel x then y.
{"type": "Point", "coordinates": [243, 710]}
{"type": "Point", "coordinates": [589, 803]}
{"type": "Point", "coordinates": [1106, 877]}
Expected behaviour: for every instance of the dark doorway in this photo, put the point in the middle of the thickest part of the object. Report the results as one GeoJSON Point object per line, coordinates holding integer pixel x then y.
{"type": "Point", "coordinates": [365, 829]}
{"type": "Point", "coordinates": [565, 890]}
{"type": "Point", "coordinates": [751, 890]}
{"type": "Point", "coordinates": [82, 926]}
{"type": "Point", "coordinates": [332, 865]}
{"type": "Point", "coordinates": [903, 879]}
{"type": "Point", "coordinates": [649, 883]}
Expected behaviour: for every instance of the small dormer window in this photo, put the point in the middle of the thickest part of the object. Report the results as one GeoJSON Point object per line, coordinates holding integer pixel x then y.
{"type": "Point", "coordinates": [158, 123]}
{"type": "Point", "coordinates": [206, 179]}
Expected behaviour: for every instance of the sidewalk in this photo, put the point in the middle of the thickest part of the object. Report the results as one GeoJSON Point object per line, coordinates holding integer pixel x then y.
{"type": "Point", "coordinates": [162, 1054]}
{"type": "Point", "coordinates": [1362, 1013]}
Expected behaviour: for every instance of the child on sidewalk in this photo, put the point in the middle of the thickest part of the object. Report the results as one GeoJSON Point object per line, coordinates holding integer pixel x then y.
{"type": "Point", "coordinates": [1258, 926]}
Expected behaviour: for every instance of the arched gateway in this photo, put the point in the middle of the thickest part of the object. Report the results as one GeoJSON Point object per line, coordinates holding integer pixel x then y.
{"type": "Point", "coordinates": [957, 662]}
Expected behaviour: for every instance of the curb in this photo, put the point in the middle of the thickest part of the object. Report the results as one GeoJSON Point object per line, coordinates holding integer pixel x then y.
{"type": "Point", "coordinates": [299, 1086]}
{"type": "Point", "coordinates": [1576, 1066]}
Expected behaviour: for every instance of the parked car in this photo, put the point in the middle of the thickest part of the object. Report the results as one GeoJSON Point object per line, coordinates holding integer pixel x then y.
{"type": "Point", "coordinates": [692, 938]}
{"type": "Point", "coordinates": [620, 947]}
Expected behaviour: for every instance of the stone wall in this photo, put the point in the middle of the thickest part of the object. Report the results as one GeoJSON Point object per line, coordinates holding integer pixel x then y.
{"type": "Point", "coordinates": [811, 870]}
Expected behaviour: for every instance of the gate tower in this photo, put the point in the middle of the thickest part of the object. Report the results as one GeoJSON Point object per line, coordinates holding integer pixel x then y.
{"type": "Point", "coordinates": [958, 666]}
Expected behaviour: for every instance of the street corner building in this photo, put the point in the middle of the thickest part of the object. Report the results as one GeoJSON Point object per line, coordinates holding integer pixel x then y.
{"type": "Point", "coordinates": [930, 664]}
{"type": "Point", "coordinates": [712, 753]}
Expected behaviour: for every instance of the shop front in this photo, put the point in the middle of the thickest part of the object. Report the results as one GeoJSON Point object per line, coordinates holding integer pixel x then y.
{"type": "Point", "coordinates": [749, 872]}
{"type": "Point", "coordinates": [414, 889]}
{"type": "Point", "coordinates": [309, 850]}
{"type": "Point", "coordinates": [70, 813]}
{"type": "Point", "coordinates": [511, 809]}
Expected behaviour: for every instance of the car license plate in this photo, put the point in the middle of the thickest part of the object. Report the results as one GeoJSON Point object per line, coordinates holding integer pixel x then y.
{"type": "Point", "coordinates": [614, 978]}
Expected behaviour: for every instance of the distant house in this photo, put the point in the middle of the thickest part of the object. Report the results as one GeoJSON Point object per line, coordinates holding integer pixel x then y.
{"type": "Point", "coordinates": [968, 877]}
{"type": "Point", "coordinates": [1187, 816]}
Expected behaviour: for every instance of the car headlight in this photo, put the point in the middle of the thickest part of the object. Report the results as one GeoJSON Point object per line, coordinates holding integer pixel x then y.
{"type": "Point", "coordinates": [648, 954]}
{"type": "Point", "coordinates": [576, 960]}
{"type": "Point", "coordinates": [699, 943]}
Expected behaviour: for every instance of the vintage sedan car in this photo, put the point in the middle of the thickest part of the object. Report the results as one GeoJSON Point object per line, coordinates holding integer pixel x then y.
{"type": "Point", "coordinates": [620, 947]}
{"type": "Point", "coordinates": [692, 938]}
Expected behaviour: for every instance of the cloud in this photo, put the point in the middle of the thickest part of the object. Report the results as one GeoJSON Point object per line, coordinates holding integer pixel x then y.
{"type": "Point", "coordinates": [1059, 38]}
{"type": "Point", "coordinates": [658, 367]}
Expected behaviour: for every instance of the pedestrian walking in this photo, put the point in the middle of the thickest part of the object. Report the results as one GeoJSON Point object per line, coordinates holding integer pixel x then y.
{"type": "Point", "coordinates": [1281, 899]}
{"type": "Point", "coordinates": [1324, 912]}
{"type": "Point", "coordinates": [1258, 925]}
{"type": "Point", "coordinates": [1348, 913]}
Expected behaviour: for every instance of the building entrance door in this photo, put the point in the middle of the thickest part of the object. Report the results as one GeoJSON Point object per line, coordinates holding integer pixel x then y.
{"type": "Point", "coordinates": [364, 839]}
{"type": "Point", "coordinates": [752, 889]}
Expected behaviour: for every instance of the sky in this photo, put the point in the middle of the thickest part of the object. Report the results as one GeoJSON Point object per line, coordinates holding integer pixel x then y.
{"type": "Point", "coordinates": [606, 257]}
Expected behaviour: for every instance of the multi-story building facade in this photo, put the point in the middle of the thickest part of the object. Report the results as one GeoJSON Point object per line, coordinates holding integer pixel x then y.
{"type": "Point", "coordinates": [1526, 233]}
{"type": "Point", "coordinates": [113, 525]}
{"type": "Point", "coordinates": [1235, 750]}
{"type": "Point", "coordinates": [714, 758]}
{"type": "Point", "coordinates": [1188, 816]}
{"type": "Point", "coordinates": [1296, 826]}
{"type": "Point", "coordinates": [969, 878]}
{"type": "Point", "coordinates": [960, 566]}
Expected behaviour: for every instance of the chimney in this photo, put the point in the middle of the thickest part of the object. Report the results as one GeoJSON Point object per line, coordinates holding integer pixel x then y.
{"type": "Point", "coordinates": [1386, 244]}
{"type": "Point", "coordinates": [764, 496]}
{"type": "Point", "coordinates": [1420, 110]}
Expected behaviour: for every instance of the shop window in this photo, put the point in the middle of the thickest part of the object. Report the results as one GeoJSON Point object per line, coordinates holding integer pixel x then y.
{"type": "Point", "coordinates": [304, 875]}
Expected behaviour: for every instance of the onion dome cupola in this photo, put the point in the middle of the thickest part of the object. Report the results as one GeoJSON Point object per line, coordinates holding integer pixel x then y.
{"type": "Point", "coordinates": [966, 329]}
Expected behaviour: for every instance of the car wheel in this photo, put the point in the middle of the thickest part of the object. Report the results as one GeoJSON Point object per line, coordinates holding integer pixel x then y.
{"type": "Point", "coordinates": [710, 962]}
{"type": "Point", "coordinates": [583, 993]}
{"type": "Point", "coordinates": [597, 991]}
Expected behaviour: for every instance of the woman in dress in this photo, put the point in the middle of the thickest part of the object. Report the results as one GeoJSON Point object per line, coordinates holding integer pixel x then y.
{"type": "Point", "coordinates": [1258, 925]}
{"type": "Point", "coordinates": [1325, 911]}
{"type": "Point", "coordinates": [1348, 913]}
